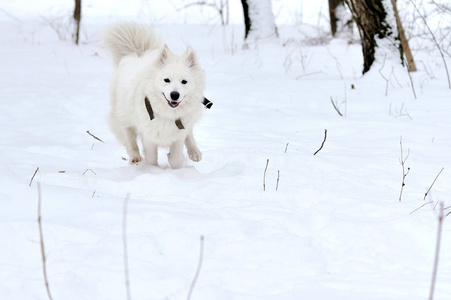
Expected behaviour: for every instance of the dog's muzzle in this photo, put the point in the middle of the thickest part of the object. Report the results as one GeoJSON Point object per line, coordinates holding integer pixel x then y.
{"type": "Point", "coordinates": [174, 101]}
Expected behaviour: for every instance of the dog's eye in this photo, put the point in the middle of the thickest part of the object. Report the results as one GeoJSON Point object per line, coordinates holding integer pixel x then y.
{"type": "Point", "coordinates": [167, 80]}
{"type": "Point", "coordinates": [184, 81]}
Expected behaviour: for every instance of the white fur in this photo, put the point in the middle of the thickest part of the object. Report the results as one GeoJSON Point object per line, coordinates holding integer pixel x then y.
{"type": "Point", "coordinates": [143, 68]}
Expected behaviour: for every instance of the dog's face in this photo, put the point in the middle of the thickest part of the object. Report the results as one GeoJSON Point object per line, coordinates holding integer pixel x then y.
{"type": "Point", "coordinates": [176, 79]}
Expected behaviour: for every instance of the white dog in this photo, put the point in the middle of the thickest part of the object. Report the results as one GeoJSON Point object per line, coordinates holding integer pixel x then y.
{"type": "Point", "coordinates": [155, 94]}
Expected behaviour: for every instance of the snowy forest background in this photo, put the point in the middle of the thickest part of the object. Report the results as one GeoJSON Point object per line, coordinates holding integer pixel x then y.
{"type": "Point", "coordinates": [317, 182]}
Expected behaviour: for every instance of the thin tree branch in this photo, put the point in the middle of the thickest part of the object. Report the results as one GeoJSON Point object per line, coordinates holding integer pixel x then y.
{"type": "Point", "coordinates": [434, 40]}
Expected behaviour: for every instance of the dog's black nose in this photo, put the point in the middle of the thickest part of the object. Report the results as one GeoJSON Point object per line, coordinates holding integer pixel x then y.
{"type": "Point", "coordinates": [175, 95]}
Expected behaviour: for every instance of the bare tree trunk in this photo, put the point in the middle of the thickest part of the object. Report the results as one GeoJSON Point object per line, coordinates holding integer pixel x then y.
{"type": "Point", "coordinates": [370, 17]}
{"type": "Point", "coordinates": [247, 20]}
{"type": "Point", "coordinates": [258, 20]}
{"type": "Point", "coordinates": [77, 18]}
{"type": "Point", "coordinates": [333, 4]}
{"type": "Point", "coordinates": [404, 43]}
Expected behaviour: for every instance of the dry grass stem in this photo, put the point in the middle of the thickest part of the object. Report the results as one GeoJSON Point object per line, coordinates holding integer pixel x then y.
{"type": "Point", "coordinates": [41, 238]}
{"type": "Point", "coordinates": [336, 107]}
{"type": "Point", "coordinates": [94, 136]}
{"type": "Point", "coordinates": [264, 175]}
{"type": "Point", "coordinates": [322, 144]}
{"type": "Point", "coordinates": [124, 244]}
{"type": "Point", "coordinates": [404, 173]}
{"type": "Point", "coordinates": [437, 251]}
{"type": "Point", "coordinates": [89, 170]}
{"type": "Point", "coordinates": [421, 206]}
{"type": "Point", "coordinates": [32, 177]}
{"type": "Point", "coordinates": [199, 266]}
{"type": "Point", "coordinates": [427, 192]}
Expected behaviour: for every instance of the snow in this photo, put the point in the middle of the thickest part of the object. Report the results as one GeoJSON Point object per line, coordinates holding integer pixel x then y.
{"type": "Point", "coordinates": [334, 229]}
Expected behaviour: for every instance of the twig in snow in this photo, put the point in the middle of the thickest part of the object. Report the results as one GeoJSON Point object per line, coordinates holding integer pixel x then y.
{"type": "Point", "coordinates": [345, 101]}
{"type": "Point", "coordinates": [199, 266]}
{"type": "Point", "coordinates": [446, 209]}
{"type": "Point", "coordinates": [337, 62]}
{"type": "Point", "coordinates": [277, 183]}
{"type": "Point", "coordinates": [426, 194]}
{"type": "Point", "coordinates": [308, 74]}
{"type": "Point", "coordinates": [437, 251]}
{"type": "Point", "coordinates": [322, 144]}
{"type": "Point", "coordinates": [404, 173]}
{"type": "Point", "coordinates": [336, 108]}
{"type": "Point", "coordinates": [387, 80]}
{"type": "Point", "coordinates": [41, 237]}
{"type": "Point", "coordinates": [89, 170]}
{"type": "Point", "coordinates": [264, 175]}
{"type": "Point", "coordinates": [94, 136]}
{"type": "Point", "coordinates": [286, 147]}
{"type": "Point", "coordinates": [435, 206]}
{"type": "Point", "coordinates": [421, 206]}
{"type": "Point", "coordinates": [32, 177]}
{"type": "Point", "coordinates": [399, 113]}
{"type": "Point", "coordinates": [124, 243]}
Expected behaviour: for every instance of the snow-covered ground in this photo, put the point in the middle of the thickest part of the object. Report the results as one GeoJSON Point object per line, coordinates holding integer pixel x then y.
{"type": "Point", "coordinates": [334, 229]}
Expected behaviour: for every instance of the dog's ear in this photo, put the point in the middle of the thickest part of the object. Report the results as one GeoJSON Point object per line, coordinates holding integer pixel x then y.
{"type": "Point", "coordinates": [163, 56]}
{"type": "Point", "coordinates": [191, 57]}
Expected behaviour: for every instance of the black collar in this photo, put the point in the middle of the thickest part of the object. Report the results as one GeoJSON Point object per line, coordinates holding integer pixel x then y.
{"type": "Point", "coordinates": [207, 103]}
{"type": "Point", "coordinates": [178, 122]}
{"type": "Point", "coordinates": [149, 108]}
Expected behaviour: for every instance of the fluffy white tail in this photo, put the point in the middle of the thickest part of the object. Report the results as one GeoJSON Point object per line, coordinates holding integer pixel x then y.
{"type": "Point", "coordinates": [129, 38]}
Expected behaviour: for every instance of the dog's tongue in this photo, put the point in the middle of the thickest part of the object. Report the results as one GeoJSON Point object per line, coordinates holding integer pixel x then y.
{"type": "Point", "coordinates": [173, 103]}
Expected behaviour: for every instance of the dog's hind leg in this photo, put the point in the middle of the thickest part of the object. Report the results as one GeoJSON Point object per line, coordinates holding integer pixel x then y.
{"type": "Point", "coordinates": [191, 146]}
{"type": "Point", "coordinates": [127, 136]}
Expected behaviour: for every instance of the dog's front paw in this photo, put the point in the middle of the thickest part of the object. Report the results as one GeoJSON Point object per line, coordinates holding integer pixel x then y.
{"type": "Point", "coordinates": [176, 161]}
{"type": "Point", "coordinates": [135, 160]}
{"type": "Point", "coordinates": [195, 155]}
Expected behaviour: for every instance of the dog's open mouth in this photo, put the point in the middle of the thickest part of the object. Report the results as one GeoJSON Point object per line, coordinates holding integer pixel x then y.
{"type": "Point", "coordinates": [172, 103]}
